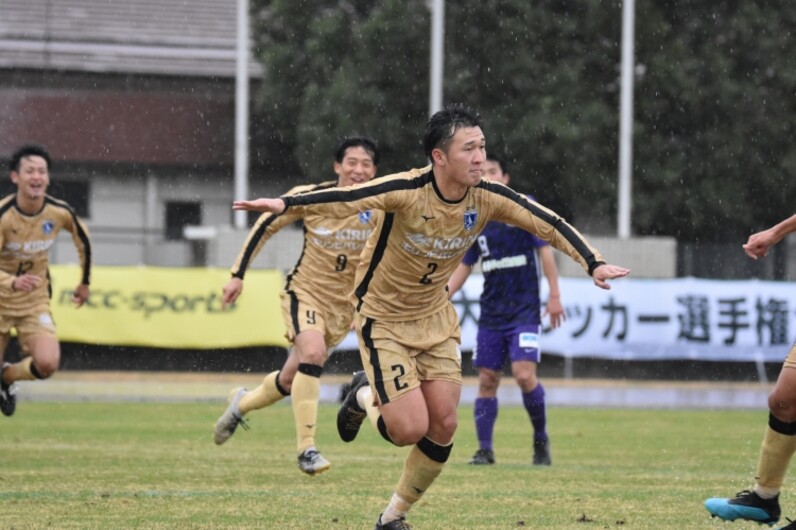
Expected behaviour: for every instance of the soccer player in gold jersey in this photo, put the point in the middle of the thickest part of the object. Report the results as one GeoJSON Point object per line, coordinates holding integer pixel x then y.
{"type": "Point", "coordinates": [761, 503]}
{"type": "Point", "coordinates": [315, 305]}
{"type": "Point", "coordinates": [29, 223]}
{"type": "Point", "coordinates": [407, 328]}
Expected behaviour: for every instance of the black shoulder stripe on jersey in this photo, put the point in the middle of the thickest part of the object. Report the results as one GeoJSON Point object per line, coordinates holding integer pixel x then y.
{"type": "Point", "coordinates": [317, 187]}
{"type": "Point", "coordinates": [249, 251]}
{"type": "Point", "coordinates": [81, 234]}
{"type": "Point", "coordinates": [7, 204]}
{"type": "Point", "coordinates": [378, 254]}
{"type": "Point", "coordinates": [360, 192]}
{"type": "Point", "coordinates": [558, 223]}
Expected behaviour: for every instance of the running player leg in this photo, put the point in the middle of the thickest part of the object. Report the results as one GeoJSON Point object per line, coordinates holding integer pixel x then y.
{"type": "Point", "coordinates": [490, 352]}
{"type": "Point", "coordinates": [306, 390]}
{"type": "Point", "coordinates": [274, 388]}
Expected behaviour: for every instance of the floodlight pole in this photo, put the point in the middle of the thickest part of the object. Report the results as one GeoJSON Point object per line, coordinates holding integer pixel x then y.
{"type": "Point", "coordinates": [242, 112]}
{"type": "Point", "coordinates": [626, 121]}
{"type": "Point", "coordinates": [437, 55]}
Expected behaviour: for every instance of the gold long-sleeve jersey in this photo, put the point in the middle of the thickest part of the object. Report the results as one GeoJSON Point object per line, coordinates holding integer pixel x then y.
{"type": "Point", "coordinates": [25, 241]}
{"type": "Point", "coordinates": [422, 237]}
{"type": "Point", "coordinates": [331, 252]}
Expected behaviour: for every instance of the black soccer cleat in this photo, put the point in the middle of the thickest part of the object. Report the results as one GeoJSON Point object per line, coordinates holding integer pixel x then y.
{"type": "Point", "coordinates": [746, 505]}
{"type": "Point", "coordinates": [350, 415]}
{"type": "Point", "coordinates": [8, 395]}
{"type": "Point", "coordinates": [541, 453]}
{"type": "Point", "coordinates": [483, 457]}
{"type": "Point", "coordinates": [398, 524]}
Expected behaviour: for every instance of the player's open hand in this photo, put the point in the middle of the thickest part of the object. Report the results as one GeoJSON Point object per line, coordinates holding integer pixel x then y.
{"type": "Point", "coordinates": [260, 205]}
{"type": "Point", "coordinates": [26, 282]}
{"type": "Point", "coordinates": [80, 294]}
{"type": "Point", "coordinates": [555, 311]}
{"type": "Point", "coordinates": [607, 272]}
{"type": "Point", "coordinates": [231, 292]}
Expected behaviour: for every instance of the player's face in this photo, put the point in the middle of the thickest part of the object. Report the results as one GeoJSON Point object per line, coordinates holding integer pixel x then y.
{"type": "Point", "coordinates": [464, 160]}
{"type": "Point", "coordinates": [32, 178]}
{"type": "Point", "coordinates": [357, 167]}
{"type": "Point", "coordinates": [492, 172]}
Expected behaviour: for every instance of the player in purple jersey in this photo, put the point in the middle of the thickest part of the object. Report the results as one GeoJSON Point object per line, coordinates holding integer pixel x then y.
{"type": "Point", "coordinates": [510, 321]}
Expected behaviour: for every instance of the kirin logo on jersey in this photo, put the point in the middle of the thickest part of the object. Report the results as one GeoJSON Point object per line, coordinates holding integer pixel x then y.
{"type": "Point", "coordinates": [47, 227]}
{"type": "Point", "coordinates": [421, 240]}
{"type": "Point", "coordinates": [364, 217]}
{"type": "Point", "coordinates": [470, 216]}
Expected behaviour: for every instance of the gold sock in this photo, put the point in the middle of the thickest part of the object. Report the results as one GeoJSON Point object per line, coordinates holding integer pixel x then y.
{"type": "Point", "coordinates": [305, 393]}
{"type": "Point", "coordinates": [775, 455]}
{"type": "Point", "coordinates": [264, 395]}
{"type": "Point", "coordinates": [419, 473]}
{"type": "Point", "coordinates": [19, 371]}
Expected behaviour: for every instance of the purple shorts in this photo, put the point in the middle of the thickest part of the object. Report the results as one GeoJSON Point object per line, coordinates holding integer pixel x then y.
{"type": "Point", "coordinates": [518, 344]}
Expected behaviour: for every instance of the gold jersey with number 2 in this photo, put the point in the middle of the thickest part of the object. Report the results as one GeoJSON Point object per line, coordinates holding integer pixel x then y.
{"type": "Point", "coordinates": [422, 237]}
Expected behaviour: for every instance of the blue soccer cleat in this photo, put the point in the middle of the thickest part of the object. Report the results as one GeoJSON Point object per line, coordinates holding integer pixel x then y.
{"type": "Point", "coordinates": [746, 505]}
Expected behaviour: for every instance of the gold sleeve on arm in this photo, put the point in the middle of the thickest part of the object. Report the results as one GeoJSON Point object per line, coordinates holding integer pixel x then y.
{"type": "Point", "coordinates": [520, 211]}
{"type": "Point", "coordinates": [82, 241]}
{"type": "Point", "coordinates": [388, 193]}
{"type": "Point", "coordinates": [266, 226]}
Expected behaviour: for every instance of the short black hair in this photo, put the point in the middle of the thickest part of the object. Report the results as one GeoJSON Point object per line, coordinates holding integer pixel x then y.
{"type": "Point", "coordinates": [26, 151]}
{"type": "Point", "coordinates": [504, 168]}
{"type": "Point", "coordinates": [365, 142]}
{"type": "Point", "coordinates": [443, 125]}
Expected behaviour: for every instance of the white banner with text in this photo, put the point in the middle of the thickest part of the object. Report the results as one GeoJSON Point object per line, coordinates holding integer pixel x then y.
{"type": "Point", "coordinates": [682, 318]}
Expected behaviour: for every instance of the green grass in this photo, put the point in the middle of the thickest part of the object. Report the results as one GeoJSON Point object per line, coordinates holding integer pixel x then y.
{"type": "Point", "coordinates": [119, 465]}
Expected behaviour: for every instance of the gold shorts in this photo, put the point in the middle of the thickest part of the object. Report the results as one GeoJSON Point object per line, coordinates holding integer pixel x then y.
{"type": "Point", "coordinates": [398, 356]}
{"type": "Point", "coordinates": [38, 322]}
{"type": "Point", "coordinates": [301, 312]}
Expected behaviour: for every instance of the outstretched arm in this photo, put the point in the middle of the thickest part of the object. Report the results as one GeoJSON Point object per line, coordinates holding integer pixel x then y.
{"type": "Point", "coordinates": [758, 244]}
{"type": "Point", "coordinates": [260, 205]}
{"type": "Point", "coordinates": [607, 272]}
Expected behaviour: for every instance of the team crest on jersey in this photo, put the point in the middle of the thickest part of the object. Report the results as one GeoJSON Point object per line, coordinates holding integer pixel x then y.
{"type": "Point", "coordinates": [47, 227]}
{"type": "Point", "coordinates": [470, 216]}
{"type": "Point", "coordinates": [364, 217]}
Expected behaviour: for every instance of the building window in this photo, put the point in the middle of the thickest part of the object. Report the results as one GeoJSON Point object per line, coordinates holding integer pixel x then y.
{"type": "Point", "coordinates": [180, 214]}
{"type": "Point", "coordinates": [74, 192]}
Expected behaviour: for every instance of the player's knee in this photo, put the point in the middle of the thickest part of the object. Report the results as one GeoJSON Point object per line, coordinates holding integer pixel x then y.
{"type": "Point", "coordinates": [406, 433]}
{"type": "Point", "coordinates": [44, 368]}
{"type": "Point", "coordinates": [406, 437]}
{"type": "Point", "coordinates": [782, 407]}
{"type": "Point", "coordinates": [313, 356]}
{"type": "Point", "coordinates": [285, 381]}
{"type": "Point", "coordinates": [526, 380]}
{"type": "Point", "coordinates": [488, 380]}
{"type": "Point", "coordinates": [448, 426]}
